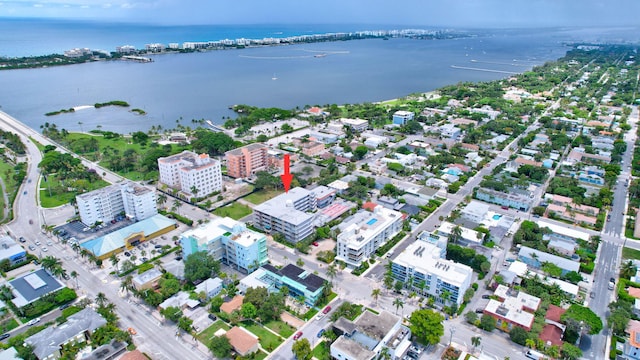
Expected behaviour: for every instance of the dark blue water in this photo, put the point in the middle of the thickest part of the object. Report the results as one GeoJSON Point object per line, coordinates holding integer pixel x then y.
{"type": "Point", "coordinates": [203, 85]}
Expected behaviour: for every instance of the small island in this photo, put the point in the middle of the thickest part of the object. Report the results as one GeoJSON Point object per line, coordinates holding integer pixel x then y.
{"type": "Point", "coordinates": [112, 103]}
{"type": "Point", "coordinates": [97, 106]}
{"type": "Point", "coordinates": [61, 111]}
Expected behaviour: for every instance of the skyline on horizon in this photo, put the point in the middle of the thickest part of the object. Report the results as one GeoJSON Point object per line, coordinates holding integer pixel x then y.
{"type": "Point", "coordinates": [451, 13]}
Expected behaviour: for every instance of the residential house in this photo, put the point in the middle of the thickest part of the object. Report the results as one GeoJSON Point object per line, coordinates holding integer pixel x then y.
{"type": "Point", "coordinates": [450, 131]}
{"type": "Point", "coordinates": [210, 287]}
{"type": "Point", "coordinates": [554, 328]}
{"type": "Point", "coordinates": [232, 305]}
{"type": "Point", "coordinates": [514, 308]}
{"type": "Point", "coordinates": [535, 259]}
{"type": "Point", "coordinates": [242, 341]}
{"type": "Point", "coordinates": [369, 335]}
{"type": "Point", "coordinates": [48, 343]}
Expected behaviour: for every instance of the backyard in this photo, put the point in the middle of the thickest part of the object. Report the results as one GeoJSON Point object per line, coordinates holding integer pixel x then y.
{"type": "Point", "coordinates": [268, 340]}
{"type": "Point", "coordinates": [208, 333]}
{"type": "Point", "coordinates": [281, 328]}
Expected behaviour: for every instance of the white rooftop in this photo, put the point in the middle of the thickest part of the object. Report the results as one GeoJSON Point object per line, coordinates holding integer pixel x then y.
{"type": "Point", "coordinates": [518, 267]}
{"type": "Point", "coordinates": [228, 227]}
{"type": "Point", "coordinates": [425, 258]}
{"type": "Point", "coordinates": [561, 230]}
{"type": "Point", "coordinates": [365, 225]}
{"type": "Point", "coordinates": [34, 281]}
{"type": "Point", "coordinates": [467, 234]}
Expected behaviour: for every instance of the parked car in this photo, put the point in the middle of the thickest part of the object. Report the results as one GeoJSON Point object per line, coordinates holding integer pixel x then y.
{"type": "Point", "coordinates": [132, 331]}
{"type": "Point", "coordinates": [326, 310]}
{"type": "Point", "coordinates": [22, 240]}
{"type": "Point", "coordinates": [504, 207]}
{"type": "Point", "coordinates": [320, 333]}
{"type": "Point", "coordinates": [37, 242]}
{"type": "Point", "coordinates": [33, 321]}
{"type": "Point", "coordinates": [213, 317]}
{"type": "Point", "coordinates": [297, 336]}
{"type": "Point", "coordinates": [486, 296]}
{"type": "Point", "coordinates": [32, 248]}
{"type": "Point", "coordinates": [158, 246]}
{"type": "Point", "coordinates": [178, 258]}
{"type": "Point", "coordinates": [64, 306]}
{"type": "Point", "coordinates": [315, 243]}
{"type": "Point", "coordinates": [613, 280]}
{"type": "Point", "coordinates": [479, 310]}
{"type": "Point", "coordinates": [4, 336]}
{"type": "Point", "coordinates": [126, 253]}
{"type": "Point", "coordinates": [44, 249]}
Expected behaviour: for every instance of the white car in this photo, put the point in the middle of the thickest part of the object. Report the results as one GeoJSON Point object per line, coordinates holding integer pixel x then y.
{"type": "Point", "coordinates": [33, 321]}
{"type": "Point", "coordinates": [37, 243]}
{"type": "Point", "coordinates": [45, 249]}
{"type": "Point", "coordinates": [320, 316]}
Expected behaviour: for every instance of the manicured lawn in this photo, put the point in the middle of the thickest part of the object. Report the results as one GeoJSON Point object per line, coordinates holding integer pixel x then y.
{"type": "Point", "coordinates": [8, 182]}
{"type": "Point", "coordinates": [209, 332]}
{"type": "Point", "coordinates": [630, 254]}
{"type": "Point", "coordinates": [268, 340]}
{"type": "Point", "coordinates": [261, 196]}
{"type": "Point", "coordinates": [57, 199]}
{"type": "Point", "coordinates": [260, 355]}
{"type": "Point", "coordinates": [322, 351]}
{"type": "Point", "coordinates": [235, 211]}
{"type": "Point", "coordinates": [281, 328]}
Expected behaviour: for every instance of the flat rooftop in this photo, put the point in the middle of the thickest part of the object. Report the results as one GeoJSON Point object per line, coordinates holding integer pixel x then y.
{"type": "Point", "coordinates": [226, 227]}
{"type": "Point", "coordinates": [364, 225]}
{"type": "Point", "coordinates": [311, 281]}
{"type": "Point", "coordinates": [33, 286]}
{"type": "Point", "coordinates": [425, 258]}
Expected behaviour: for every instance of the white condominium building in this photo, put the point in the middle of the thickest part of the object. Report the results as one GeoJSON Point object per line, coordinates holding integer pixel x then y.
{"type": "Point", "coordinates": [422, 269]}
{"type": "Point", "coordinates": [364, 232]}
{"type": "Point", "coordinates": [287, 214]}
{"type": "Point", "coordinates": [135, 201]}
{"type": "Point", "coordinates": [193, 174]}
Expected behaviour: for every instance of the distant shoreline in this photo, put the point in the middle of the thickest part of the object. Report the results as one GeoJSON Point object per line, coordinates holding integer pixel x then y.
{"type": "Point", "coordinates": [128, 52]}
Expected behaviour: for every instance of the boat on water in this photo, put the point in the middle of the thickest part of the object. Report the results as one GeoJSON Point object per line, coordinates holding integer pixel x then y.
{"type": "Point", "coordinates": [319, 55]}
{"type": "Point", "coordinates": [274, 77]}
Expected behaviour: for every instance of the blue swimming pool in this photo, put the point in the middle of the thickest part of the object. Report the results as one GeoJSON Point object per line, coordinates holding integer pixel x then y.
{"type": "Point", "coordinates": [372, 221]}
{"type": "Point", "coordinates": [497, 217]}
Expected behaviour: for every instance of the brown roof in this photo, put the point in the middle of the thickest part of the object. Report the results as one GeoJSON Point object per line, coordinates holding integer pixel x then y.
{"type": "Point", "coordinates": [369, 205]}
{"type": "Point", "coordinates": [134, 355]}
{"type": "Point", "coordinates": [551, 334]}
{"type": "Point", "coordinates": [241, 340]}
{"type": "Point", "coordinates": [635, 292]}
{"type": "Point", "coordinates": [470, 146]}
{"type": "Point", "coordinates": [554, 313]}
{"type": "Point", "coordinates": [234, 304]}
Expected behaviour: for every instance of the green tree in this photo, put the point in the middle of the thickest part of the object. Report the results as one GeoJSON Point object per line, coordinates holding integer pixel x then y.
{"type": "Point", "coordinates": [475, 341]}
{"type": "Point", "coordinates": [627, 270]}
{"type": "Point", "coordinates": [487, 323]}
{"type": "Point", "coordinates": [471, 317]}
{"type": "Point", "coordinates": [570, 352]}
{"type": "Point", "coordinates": [518, 335]}
{"type": "Point", "coordinates": [172, 313]}
{"type": "Point", "coordinates": [248, 311]}
{"type": "Point", "coordinates": [185, 323]}
{"type": "Point", "coordinates": [398, 303]}
{"type": "Point", "coordinates": [200, 266]}
{"type": "Point", "coordinates": [220, 347]}
{"type": "Point", "coordinates": [579, 316]}
{"type": "Point", "coordinates": [256, 296]}
{"type": "Point", "coordinates": [375, 293]}
{"type": "Point", "coordinates": [426, 326]}
{"type": "Point", "coordinates": [302, 349]}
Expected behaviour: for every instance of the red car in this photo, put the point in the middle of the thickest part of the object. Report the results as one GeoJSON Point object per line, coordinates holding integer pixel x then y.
{"type": "Point", "coordinates": [315, 243]}
{"type": "Point", "coordinates": [297, 336]}
{"type": "Point", "coordinates": [326, 310]}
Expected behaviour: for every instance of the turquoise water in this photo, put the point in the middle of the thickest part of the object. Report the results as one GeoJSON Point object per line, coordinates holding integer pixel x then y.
{"type": "Point", "coordinates": [497, 217]}
{"type": "Point", "coordinates": [372, 221]}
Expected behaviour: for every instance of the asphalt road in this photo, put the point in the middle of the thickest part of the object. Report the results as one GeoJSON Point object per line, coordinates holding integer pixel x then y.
{"type": "Point", "coordinates": [28, 223]}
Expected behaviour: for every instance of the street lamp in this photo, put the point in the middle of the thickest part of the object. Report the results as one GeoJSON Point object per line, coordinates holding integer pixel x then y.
{"type": "Point", "coordinates": [452, 330]}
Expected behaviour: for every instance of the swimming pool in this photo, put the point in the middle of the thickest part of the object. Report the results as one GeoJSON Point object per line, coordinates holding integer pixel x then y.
{"type": "Point", "coordinates": [497, 217]}
{"type": "Point", "coordinates": [372, 221]}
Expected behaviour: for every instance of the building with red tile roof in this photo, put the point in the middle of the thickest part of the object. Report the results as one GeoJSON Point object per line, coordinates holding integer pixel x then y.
{"type": "Point", "coordinates": [242, 341]}
{"type": "Point", "coordinates": [234, 304]}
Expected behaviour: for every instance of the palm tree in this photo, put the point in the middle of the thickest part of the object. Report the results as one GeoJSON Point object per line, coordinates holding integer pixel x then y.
{"type": "Point", "coordinates": [628, 270]}
{"type": "Point", "coordinates": [332, 271]}
{"type": "Point", "coordinates": [398, 303]}
{"type": "Point", "coordinates": [50, 262]}
{"type": "Point", "coordinates": [114, 261]}
{"type": "Point", "coordinates": [127, 283]}
{"type": "Point", "coordinates": [456, 234]}
{"type": "Point", "coordinates": [475, 341]}
{"type": "Point", "coordinates": [444, 295]}
{"type": "Point", "coordinates": [530, 343]}
{"type": "Point", "coordinates": [58, 271]}
{"type": "Point", "coordinates": [101, 299]}
{"type": "Point", "coordinates": [75, 247]}
{"type": "Point", "coordinates": [375, 293]}
{"type": "Point", "coordinates": [74, 275]}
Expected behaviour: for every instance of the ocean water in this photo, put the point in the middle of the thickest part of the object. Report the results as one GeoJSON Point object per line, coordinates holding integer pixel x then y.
{"type": "Point", "coordinates": [181, 87]}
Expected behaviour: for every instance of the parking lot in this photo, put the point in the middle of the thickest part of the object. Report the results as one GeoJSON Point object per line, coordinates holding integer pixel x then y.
{"type": "Point", "coordinates": [82, 233]}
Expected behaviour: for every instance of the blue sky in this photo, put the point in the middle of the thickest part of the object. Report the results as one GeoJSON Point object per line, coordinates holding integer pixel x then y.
{"type": "Point", "coordinates": [458, 13]}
